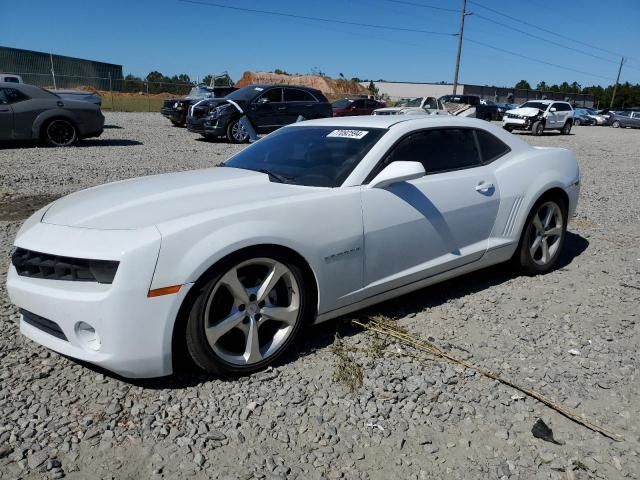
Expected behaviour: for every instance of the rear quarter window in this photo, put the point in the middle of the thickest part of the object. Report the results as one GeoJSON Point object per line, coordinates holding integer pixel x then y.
{"type": "Point", "coordinates": [491, 147]}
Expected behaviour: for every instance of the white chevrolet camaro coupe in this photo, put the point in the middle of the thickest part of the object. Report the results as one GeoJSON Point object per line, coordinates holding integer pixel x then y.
{"type": "Point", "coordinates": [314, 221]}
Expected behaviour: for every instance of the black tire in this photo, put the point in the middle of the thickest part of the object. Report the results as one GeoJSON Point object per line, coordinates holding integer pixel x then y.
{"type": "Point", "coordinates": [616, 124]}
{"type": "Point", "coordinates": [178, 124]}
{"type": "Point", "coordinates": [537, 128]}
{"type": "Point", "coordinates": [198, 346]}
{"type": "Point", "coordinates": [523, 257]}
{"type": "Point", "coordinates": [232, 132]}
{"type": "Point", "coordinates": [576, 122]}
{"type": "Point", "coordinates": [566, 129]}
{"type": "Point", "coordinates": [59, 132]}
{"type": "Point", "coordinates": [508, 129]}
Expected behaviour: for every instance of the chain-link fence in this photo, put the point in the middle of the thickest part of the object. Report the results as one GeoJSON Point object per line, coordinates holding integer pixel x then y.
{"type": "Point", "coordinates": [117, 94]}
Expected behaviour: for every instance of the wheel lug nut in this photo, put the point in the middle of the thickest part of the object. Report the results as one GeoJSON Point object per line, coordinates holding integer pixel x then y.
{"type": "Point", "coordinates": [261, 304]}
{"type": "Point", "coordinates": [245, 320]}
{"type": "Point", "coordinates": [257, 316]}
{"type": "Point", "coordinates": [252, 297]}
{"type": "Point", "coordinates": [241, 308]}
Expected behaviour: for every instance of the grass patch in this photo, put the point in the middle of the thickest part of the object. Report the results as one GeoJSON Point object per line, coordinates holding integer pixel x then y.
{"type": "Point", "coordinates": [346, 371]}
{"type": "Point", "coordinates": [131, 103]}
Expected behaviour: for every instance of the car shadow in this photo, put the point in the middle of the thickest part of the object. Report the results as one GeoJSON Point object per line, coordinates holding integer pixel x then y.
{"type": "Point", "coordinates": [107, 142]}
{"type": "Point", "coordinates": [114, 127]}
{"type": "Point", "coordinates": [319, 337]}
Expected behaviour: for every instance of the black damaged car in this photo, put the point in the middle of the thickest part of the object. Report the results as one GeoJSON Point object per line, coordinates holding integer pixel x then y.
{"type": "Point", "coordinates": [266, 108]}
{"type": "Point", "coordinates": [176, 109]}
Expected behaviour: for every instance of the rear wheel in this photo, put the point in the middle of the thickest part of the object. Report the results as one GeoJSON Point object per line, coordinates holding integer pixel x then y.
{"type": "Point", "coordinates": [577, 122]}
{"type": "Point", "coordinates": [248, 314]}
{"type": "Point", "coordinates": [543, 236]}
{"type": "Point", "coordinates": [60, 133]}
{"type": "Point", "coordinates": [537, 128]}
{"type": "Point", "coordinates": [236, 132]}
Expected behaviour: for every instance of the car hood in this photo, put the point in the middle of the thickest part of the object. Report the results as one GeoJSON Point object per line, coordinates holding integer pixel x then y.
{"type": "Point", "coordinates": [147, 201]}
{"type": "Point", "coordinates": [525, 112]}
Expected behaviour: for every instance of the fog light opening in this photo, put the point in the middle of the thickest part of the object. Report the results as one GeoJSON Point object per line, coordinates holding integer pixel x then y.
{"type": "Point", "coordinates": [87, 336]}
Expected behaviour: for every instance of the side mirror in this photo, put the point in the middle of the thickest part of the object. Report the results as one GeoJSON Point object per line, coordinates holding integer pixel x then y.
{"type": "Point", "coordinates": [397, 172]}
{"type": "Point", "coordinates": [262, 100]}
{"type": "Point", "coordinates": [552, 109]}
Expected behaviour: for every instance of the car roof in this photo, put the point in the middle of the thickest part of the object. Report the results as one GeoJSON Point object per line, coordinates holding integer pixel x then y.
{"type": "Point", "coordinates": [31, 90]}
{"type": "Point", "coordinates": [388, 121]}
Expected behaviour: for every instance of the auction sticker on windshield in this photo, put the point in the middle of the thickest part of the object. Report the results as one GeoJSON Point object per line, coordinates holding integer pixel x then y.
{"type": "Point", "coordinates": [356, 134]}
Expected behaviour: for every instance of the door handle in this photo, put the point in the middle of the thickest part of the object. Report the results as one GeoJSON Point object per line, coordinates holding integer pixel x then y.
{"type": "Point", "coordinates": [484, 187]}
{"type": "Point", "coordinates": [282, 108]}
{"type": "Point", "coordinates": [4, 110]}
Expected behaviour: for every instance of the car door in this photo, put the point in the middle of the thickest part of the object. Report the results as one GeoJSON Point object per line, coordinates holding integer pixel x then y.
{"type": "Point", "coordinates": [554, 116]}
{"type": "Point", "coordinates": [6, 118]}
{"type": "Point", "coordinates": [268, 109]}
{"type": "Point", "coordinates": [423, 227]}
{"type": "Point", "coordinates": [635, 120]}
{"type": "Point", "coordinates": [298, 103]}
{"type": "Point", "coordinates": [26, 110]}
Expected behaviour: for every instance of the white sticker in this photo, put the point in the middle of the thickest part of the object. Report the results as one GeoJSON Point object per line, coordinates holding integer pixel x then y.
{"type": "Point", "coordinates": [356, 134]}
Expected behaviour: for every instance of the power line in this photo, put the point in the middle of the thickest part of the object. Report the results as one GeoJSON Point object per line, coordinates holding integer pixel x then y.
{"type": "Point", "coordinates": [537, 37]}
{"type": "Point", "coordinates": [515, 19]}
{"type": "Point", "coordinates": [317, 19]}
{"type": "Point", "coordinates": [536, 60]}
{"type": "Point", "coordinates": [431, 7]}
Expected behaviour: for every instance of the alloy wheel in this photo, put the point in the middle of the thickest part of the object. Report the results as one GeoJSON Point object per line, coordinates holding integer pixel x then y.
{"type": "Point", "coordinates": [61, 133]}
{"type": "Point", "coordinates": [545, 238]}
{"type": "Point", "coordinates": [239, 132]}
{"type": "Point", "coordinates": [252, 311]}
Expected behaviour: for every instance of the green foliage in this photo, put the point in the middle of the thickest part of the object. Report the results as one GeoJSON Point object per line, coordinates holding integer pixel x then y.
{"type": "Point", "coordinates": [373, 90]}
{"type": "Point", "coordinates": [523, 85]}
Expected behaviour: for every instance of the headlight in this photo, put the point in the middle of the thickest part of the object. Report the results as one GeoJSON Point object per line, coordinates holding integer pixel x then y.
{"type": "Point", "coordinates": [176, 105]}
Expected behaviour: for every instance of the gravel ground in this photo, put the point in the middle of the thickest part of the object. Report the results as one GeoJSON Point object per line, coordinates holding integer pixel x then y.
{"type": "Point", "coordinates": [412, 417]}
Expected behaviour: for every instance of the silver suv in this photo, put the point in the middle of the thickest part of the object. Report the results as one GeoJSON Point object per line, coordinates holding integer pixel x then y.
{"type": "Point", "coordinates": [540, 115]}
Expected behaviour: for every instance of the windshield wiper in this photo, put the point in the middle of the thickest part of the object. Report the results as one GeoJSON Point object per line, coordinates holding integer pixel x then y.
{"type": "Point", "coordinates": [273, 176]}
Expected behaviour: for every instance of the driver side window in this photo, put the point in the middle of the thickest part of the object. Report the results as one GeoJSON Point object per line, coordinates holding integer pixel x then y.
{"type": "Point", "coordinates": [271, 96]}
{"type": "Point", "coordinates": [439, 150]}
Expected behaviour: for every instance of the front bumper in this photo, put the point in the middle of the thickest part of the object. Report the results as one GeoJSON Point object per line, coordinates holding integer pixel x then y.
{"type": "Point", "coordinates": [134, 331]}
{"type": "Point", "coordinates": [517, 123]}
{"type": "Point", "coordinates": [173, 114]}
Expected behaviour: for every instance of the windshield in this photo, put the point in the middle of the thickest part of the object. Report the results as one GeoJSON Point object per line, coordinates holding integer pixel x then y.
{"type": "Point", "coordinates": [409, 102]}
{"type": "Point", "coordinates": [345, 102]}
{"type": "Point", "coordinates": [311, 156]}
{"type": "Point", "coordinates": [245, 93]}
{"type": "Point", "coordinates": [200, 92]}
{"type": "Point", "coordinates": [538, 105]}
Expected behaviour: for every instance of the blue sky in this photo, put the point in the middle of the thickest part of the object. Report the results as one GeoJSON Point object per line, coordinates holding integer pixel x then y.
{"type": "Point", "coordinates": [175, 37]}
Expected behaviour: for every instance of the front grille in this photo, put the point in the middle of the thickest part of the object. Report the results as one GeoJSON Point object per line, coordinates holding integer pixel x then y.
{"type": "Point", "coordinates": [53, 267]}
{"type": "Point", "coordinates": [200, 111]}
{"type": "Point", "coordinates": [169, 103]}
{"type": "Point", "coordinates": [41, 323]}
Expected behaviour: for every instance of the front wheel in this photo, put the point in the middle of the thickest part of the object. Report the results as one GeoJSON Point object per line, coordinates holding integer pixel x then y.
{"type": "Point", "coordinates": [543, 236]}
{"type": "Point", "coordinates": [616, 124]}
{"type": "Point", "coordinates": [577, 122]}
{"type": "Point", "coordinates": [60, 133]}
{"type": "Point", "coordinates": [508, 129]}
{"type": "Point", "coordinates": [248, 314]}
{"type": "Point", "coordinates": [237, 132]}
{"type": "Point", "coordinates": [566, 129]}
{"type": "Point", "coordinates": [537, 128]}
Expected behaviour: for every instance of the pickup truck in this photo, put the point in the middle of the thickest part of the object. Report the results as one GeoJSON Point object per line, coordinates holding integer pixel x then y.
{"type": "Point", "coordinates": [484, 109]}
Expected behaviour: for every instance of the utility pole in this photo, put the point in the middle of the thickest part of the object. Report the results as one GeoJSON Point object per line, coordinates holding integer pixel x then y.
{"type": "Point", "coordinates": [463, 14]}
{"type": "Point", "coordinates": [616, 85]}
{"type": "Point", "coordinates": [53, 72]}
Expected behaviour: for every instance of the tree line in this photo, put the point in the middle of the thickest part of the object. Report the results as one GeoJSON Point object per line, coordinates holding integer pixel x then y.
{"type": "Point", "coordinates": [627, 94]}
{"type": "Point", "coordinates": [159, 83]}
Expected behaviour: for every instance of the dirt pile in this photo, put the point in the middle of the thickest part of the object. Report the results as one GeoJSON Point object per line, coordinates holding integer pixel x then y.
{"type": "Point", "coordinates": [332, 88]}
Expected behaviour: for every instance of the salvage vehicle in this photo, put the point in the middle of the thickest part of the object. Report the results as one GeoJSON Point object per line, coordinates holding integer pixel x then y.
{"type": "Point", "coordinates": [347, 107]}
{"type": "Point", "coordinates": [10, 78]}
{"type": "Point", "coordinates": [624, 119]}
{"type": "Point", "coordinates": [176, 109]}
{"type": "Point", "coordinates": [484, 109]}
{"type": "Point", "coordinates": [539, 116]}
{"type": "Point", "coordinates": [28, 112]}
{"type": "Point", "coordinates": [582, 116]}
{"type": "Point", "coordinates": [264, 108]}
{"type": "Point", "coordinates": [412, 106]}
{"type": "Point", "coordinates": [316, 220]}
